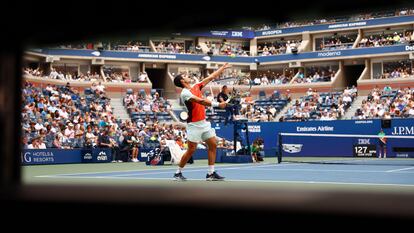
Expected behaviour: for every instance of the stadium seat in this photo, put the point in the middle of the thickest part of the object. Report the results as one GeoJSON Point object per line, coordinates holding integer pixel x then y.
{"type": "Point", "coordinates": [142, 93]}
{"type": "Point", "coordinates": [276, 94]}
{"type": "Point", "coordinates": [262, 95]}
{"type": "Point", "coordinates": [88, 91]}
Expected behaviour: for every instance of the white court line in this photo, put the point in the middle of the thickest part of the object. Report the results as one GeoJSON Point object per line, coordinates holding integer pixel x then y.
{"type": "Point", "coordinates": [168, 170]}
{"type": "Point", "coordinates": [401, 169]}
{"type": "Point", "coordinates": [155, 169]}
{"type": "Point", "coordinates": [317, 170]}
{"type": "Point", "coordinates": [236, 180]}
{"type": "Point", "coordinates": [184, 171]}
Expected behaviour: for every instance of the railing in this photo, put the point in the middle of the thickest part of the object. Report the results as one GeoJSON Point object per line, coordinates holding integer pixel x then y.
{"type": "Point", "coordinates": [329, 47]}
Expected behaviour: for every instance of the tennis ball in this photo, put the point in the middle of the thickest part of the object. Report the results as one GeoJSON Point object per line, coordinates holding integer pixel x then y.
{"type": "Point", "coordinates": [233, 55]}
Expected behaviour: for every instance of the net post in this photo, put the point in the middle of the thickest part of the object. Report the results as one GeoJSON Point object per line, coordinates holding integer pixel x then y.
{"type": "Point", "coordinates": [279, 153]}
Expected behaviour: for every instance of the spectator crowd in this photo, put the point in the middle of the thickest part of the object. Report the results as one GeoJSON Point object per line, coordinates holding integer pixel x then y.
{"type": "Point", "coordinates": [108, 76]}
{"type": "Point", "coordinates": [278, 47]}
{"type": "Point", "coordinates": [387, 103]}
{"type": "Point", "coordinates": [321, 106]}
{"type": "Point", "coordinates": [315, 74]}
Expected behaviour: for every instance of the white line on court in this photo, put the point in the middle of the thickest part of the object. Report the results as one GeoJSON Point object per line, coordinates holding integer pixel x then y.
{"type": "Point", "coordinates": [316, 170]}
{"type": "Point", "coordinates": [235, 180]}
{"type": "Point", "coordinates": [401, 169]}
{"type": "Point", "coordinates": [168, 170]}
{"type": "Point", "coordinates": [155, 169]}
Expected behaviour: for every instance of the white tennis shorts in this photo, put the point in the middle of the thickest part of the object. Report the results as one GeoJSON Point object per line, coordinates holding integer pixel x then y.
{"type": "Point", "coordinates": [200, 131]}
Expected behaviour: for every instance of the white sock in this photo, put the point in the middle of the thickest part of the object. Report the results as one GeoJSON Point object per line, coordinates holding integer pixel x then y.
{"type": "Point", "coordinates": [179, 170]}
{"type": "Point", "coordinates": [210, 169]}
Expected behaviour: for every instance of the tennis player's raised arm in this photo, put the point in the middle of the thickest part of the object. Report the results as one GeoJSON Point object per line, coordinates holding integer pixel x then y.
{"type": "Point", "coordinates": [206, 102]}
{"type": "Point", "coordinates": [215, 74]}
{"type": "Point", "coordinates": [186, 95]}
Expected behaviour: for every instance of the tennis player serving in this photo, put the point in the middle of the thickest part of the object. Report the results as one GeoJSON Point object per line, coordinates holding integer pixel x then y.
{"type": "Point", "coordinates": [198, 129]}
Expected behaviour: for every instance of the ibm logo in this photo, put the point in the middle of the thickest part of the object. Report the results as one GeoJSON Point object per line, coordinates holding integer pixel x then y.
{"type": "Point", "coordinates": [363, 141]}
{"type": "Point", "coordinates": [237, 34]}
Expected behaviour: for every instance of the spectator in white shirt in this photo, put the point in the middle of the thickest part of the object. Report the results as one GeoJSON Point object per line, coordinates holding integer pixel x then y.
{"type": "Point", "coordinates": [146, 107]}
{"type": "Point", "coordinates": [41, 144]}
{"type": "Point", "coordinates": [257, 81]}
{"type": "Point", "coordinates": [100, 87]}
{"type": "Point", "coordinates": [39, 125]}
{"type": "Point", "coordinates": [94, 87]}
{"type": "Point", "coordinates": [325, 116]}
{"type": "Point", "coordinates": [60, 76]}
{"type": "Point", "coordinates": [264, 80]}
{"type": "Point", "coordinates": [142, 78]}
{"type": "Point", "coordinates": [33, 144]}
{"type": "Point", "coordinates": [347, 99]}
{"type": "Point", "coordinates": [37, 143]}
{"type": "Point", "coordinates": [63, 113]}
{"type": "Point", "coordinates": [309, 92]}
{"type": "Point", "coordinates": [69, 131]}
{"type": "Point", "coordinates": [53, 74]}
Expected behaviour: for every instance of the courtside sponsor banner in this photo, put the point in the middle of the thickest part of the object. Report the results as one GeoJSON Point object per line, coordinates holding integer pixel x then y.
{"type": "Point", "coordinates": [96, 155]}
{"type": "Point", "coordinates": [50, 156]}
{"type": "Point", "coordinates": [63, 156]}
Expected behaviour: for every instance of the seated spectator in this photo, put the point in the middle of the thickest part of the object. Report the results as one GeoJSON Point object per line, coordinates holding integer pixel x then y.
{"type": "Point", "coordinates": [142, 77]}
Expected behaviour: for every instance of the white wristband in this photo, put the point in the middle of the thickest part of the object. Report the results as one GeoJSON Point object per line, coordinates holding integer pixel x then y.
{"type": "Point", "coordinates": [214, 104]}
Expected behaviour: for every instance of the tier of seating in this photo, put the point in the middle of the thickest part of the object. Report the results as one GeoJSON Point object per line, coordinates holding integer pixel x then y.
{"type": "Point", "coordinates": [387, 104]}
{"type": "Point", "coordinates": [144, 108]}
{"type": "Point", "coordinates": [320, 106]}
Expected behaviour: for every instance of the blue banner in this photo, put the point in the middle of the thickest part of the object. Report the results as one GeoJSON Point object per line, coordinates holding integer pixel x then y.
{"type": "Point", "coordinates": [50, 156]}
{"type": "Point", "coordinates": [247, 60]}
{"type": "Point", "coordinates": [336, 53]}
{"type": "Point", "coordinates": [239, 34]}
{"type": "Point", "coordinates": [333, 26]}
{"type": "Point", "coordinates": [63, 156]}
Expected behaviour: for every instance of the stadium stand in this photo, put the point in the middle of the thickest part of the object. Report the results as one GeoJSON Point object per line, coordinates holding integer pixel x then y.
{"type": "Point", "coordinates": [315, 74]}
{"type": "Point", "coordinates": [142, 107]}
{"type": "Point", "coordinates": [60, 117]}
{"type": "Point", "coordinates": [320, 106]}
{"type": "Point", "coordinates": [335, 42]}
{"type": "Point", "coordinates": [109, 76]}
{"type": "Point", "coordinates": [263, 109]}
{"type": "Point", "coordinates": [277, 47]}
{"type": "Point", "coordinates": [395, 69]}
{"type": "Point", "coordinates": [223, 47]}
{"type": "Point", "coordinates": [387, 104]}
{"type": "Point", "coordinates": [387, 39]}
{"type": "Point", "coordinates": [365, 16]}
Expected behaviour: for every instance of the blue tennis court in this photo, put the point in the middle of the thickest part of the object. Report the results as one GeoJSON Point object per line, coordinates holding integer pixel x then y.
{"type": "Point", "coordinates": [362, 172]}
